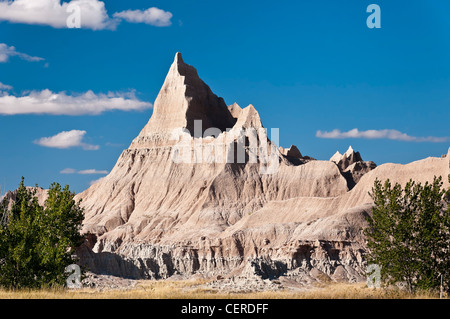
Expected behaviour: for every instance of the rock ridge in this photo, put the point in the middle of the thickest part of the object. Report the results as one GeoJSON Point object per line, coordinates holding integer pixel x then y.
{"type": "Point", "coordinates": [154, 217]}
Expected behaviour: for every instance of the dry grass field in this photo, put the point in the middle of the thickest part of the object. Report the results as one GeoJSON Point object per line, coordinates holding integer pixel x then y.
{"type": "Point", "coordinates": [195, 289]}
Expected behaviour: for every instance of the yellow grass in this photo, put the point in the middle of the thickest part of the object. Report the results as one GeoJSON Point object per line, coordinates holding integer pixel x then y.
{"type": "Point", "coordinates": [195, 289]}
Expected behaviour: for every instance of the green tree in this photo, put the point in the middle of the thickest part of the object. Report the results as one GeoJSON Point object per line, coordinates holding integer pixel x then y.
{"type": "Point", "coordinates": [409, 233]}
{"type": "Point", "coordinates": [37, 243]}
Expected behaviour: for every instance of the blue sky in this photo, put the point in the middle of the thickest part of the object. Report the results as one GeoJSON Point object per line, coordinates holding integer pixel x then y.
{"type": "Point", "coordinates": [307, 66]}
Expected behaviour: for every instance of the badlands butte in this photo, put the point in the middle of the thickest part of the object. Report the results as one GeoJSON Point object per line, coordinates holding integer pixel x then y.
{"type": "Point", "coordinates": [163, 213]}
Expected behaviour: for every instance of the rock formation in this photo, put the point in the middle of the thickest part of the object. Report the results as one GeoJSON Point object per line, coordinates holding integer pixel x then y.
{"type": "Point", "coordinates": [41, 195]}
{"type": "Point", "coordinates": [352, 166]}
{"type": "Point", "coordinates": [345, 160]}
{"type": "Point", "coordinates": [183, 200]}
{"type": "Point", "coordinates": [292, 151]}
{"type": "Point", "coordinates": [183, 98]}
{"type": "Point", "coordinates": [292, 154]}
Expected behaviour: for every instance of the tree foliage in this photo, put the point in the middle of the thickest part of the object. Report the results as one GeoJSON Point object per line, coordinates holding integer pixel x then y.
{"type": "Point", "coordinates": [409, 233]}
{"type": "Point", "coordinates": [37, 242]}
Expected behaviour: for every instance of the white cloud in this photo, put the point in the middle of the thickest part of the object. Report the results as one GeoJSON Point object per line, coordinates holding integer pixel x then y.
{"type": "Point", "coordinates": [48, 102]}
{"type": "Point", "coordinates": [68, 171]}
{"type": "Point", "coordinates": [55, 14]}
{"type": "Point", "coordinates": [67, 139]}
{"type": "Point", "coordinates": [379, 134]}
{"type": "Point", "coordinates": [9, 51]}
{"type": "Point", "coordinates": [84, 172]}
{"type": "Point", "coordinates": [92, 13]}
{"type": "Point", "coordinates": [152, 16]}
{"type": "Point", "coordinates": [93, 172]}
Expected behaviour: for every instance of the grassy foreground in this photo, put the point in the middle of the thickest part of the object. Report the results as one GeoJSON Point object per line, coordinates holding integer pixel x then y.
{"type": "Point", "coordinates": [194, 289]}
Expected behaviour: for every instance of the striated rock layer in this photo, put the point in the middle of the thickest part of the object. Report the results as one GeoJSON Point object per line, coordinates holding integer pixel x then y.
{"type": "Point", "coordinates": [180, 200]}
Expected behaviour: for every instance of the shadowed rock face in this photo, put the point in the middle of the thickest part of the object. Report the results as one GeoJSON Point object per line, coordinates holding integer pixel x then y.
{"type": "Point", "coordinates": [348, 158]}
{"type": "Point", "coordinates": [352, 166]}
{"type": "Point", "coordinates": [354, 172]}
{"type": "Point", "coordinates": [152, 217]}
{"type": "Point", "coordinates": [292, 151]}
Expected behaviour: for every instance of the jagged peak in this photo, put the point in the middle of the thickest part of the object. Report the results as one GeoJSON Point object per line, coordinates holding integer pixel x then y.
{"type": "Point", "coordinates": [336, 157]}
{"type": "Point", "coordinates": [292, 151]}
{"type": "Point", "coordinates": [178, 58]}
{"type": "Point", "coordinates": [183, 99]}
{"type": "Point", "coordinates": [188, 73]}
{"type": "Point", "coordinates": [349, 151]}
{"type": "Point", "coordinates": [235, 110]}
{"type": "Point", "coordinates": [249, 117]}
{"type": "Point", "coordinates": [351, 154]}
{"type": "Point", "coordinates": [346, 159]}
